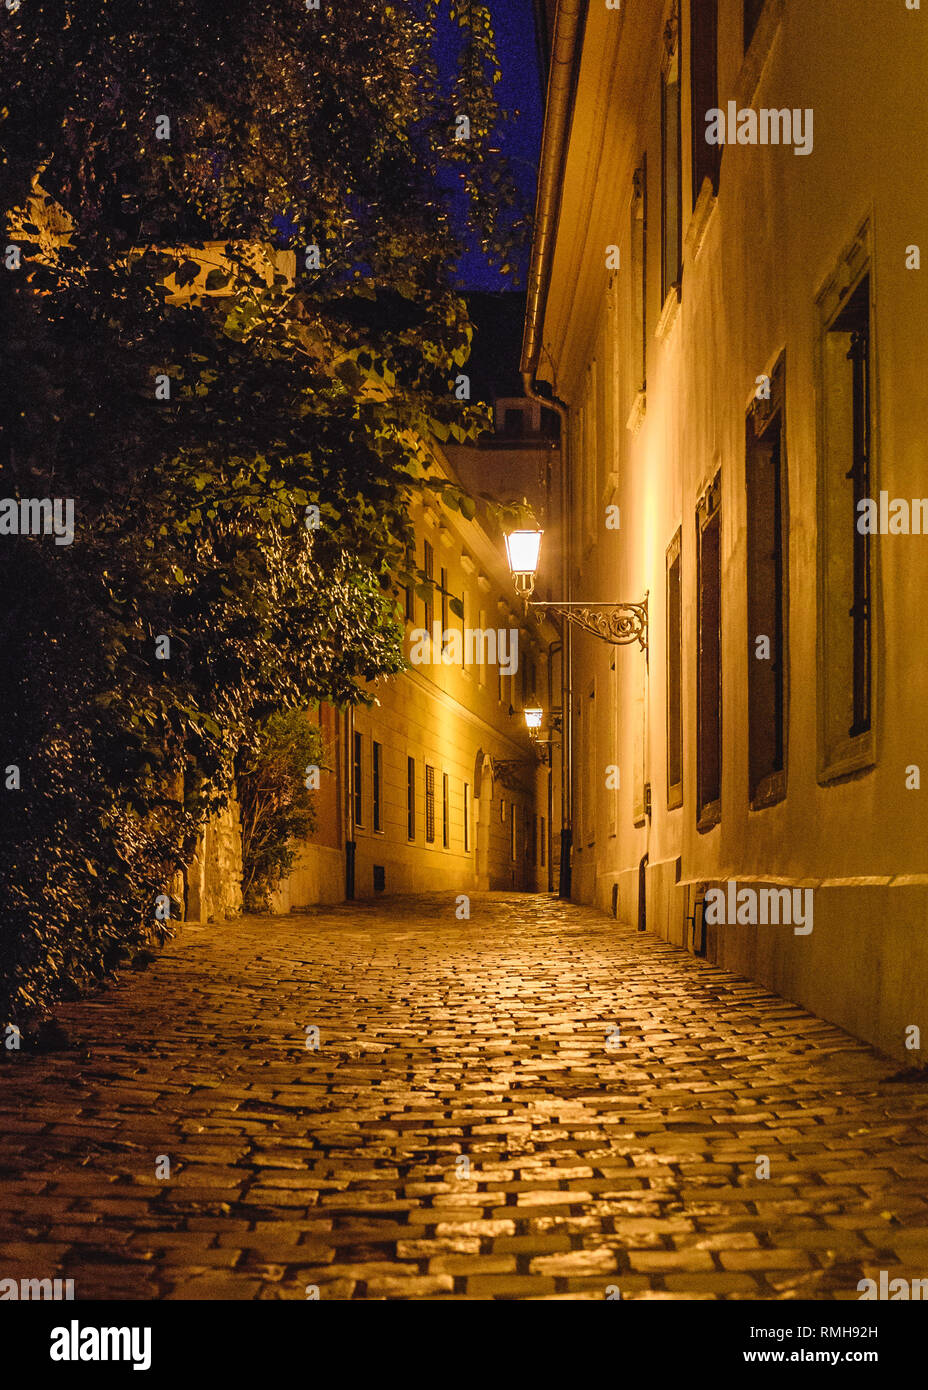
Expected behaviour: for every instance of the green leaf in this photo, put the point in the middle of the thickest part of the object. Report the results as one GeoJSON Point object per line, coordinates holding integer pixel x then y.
{"type": "Point", "coordinates": [186, 273]}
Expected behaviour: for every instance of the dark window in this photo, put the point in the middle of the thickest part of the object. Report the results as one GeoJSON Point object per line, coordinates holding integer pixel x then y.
{"type": "Point", "coordinates": [376, 770]}
{"type": "Point", "coordinates": [358, 782]}
{"type": "Point", "coordinates": [444, 601]}
{"type": "Point", "coordinates": [752, 13]}
{"type": "Point", "coordinates": [430, 804]}
{"type": "Point", "coordinates": [767, 574]}
{"type": "Point", "coordinates": [542, 842]}
{"type": "Point", "coordinates": [854, 323]}
{"type": "Point", "coordinates": [639, 232]}
{"type": "Point", "coordinates": [709, 657]}
{"type": "Point", "coordinates": [445, 824]}
{"type": "Point", "coordinates": [675, 672]}
{"type": "Point", "coordinates": [428, 566]}
{"type": "Point", "coordinates": [466, 817]}
{"type": "Point", "coordinates": [671, 220]}
{"type": "Point", "coordinates": [411, 798]}
{"type": "Point", "coordinates": [704, 19]}
{"type": "Point", "coordinates": [512, 830]}
{"type": "Point", "coordinates": [410, 604]}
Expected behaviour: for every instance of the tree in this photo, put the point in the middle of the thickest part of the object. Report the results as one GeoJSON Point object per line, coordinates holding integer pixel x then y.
{"type": "Point", "coordinates": [234, 318]}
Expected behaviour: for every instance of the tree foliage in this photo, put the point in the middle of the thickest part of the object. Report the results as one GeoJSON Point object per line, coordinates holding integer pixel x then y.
{"type": "Point", "coordinates": [183, 365]}
{"type": "Point", "coordinates": [275, 802]}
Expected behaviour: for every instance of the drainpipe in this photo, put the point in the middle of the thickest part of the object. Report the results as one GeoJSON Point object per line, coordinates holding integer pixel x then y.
{"type": "Point", "coordinates": [566, 50]}
{"type": "Point", "coordinates": [552, 403]}
{"type": "Point", "coordinates": [350, 843]}
{"type": "Point", "coordinates": [555, 647]}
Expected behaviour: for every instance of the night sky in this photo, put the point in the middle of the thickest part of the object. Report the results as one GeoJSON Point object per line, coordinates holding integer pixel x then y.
{"type": "Point", "coordinates": [519, 91]}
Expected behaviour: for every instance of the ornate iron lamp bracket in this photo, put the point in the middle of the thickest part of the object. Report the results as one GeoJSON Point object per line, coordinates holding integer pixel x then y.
{"type": "Point", "coordinates": [618, 623]}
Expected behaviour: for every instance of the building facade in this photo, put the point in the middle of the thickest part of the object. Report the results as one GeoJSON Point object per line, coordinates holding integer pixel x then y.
{"type": "Point", "coordinates": [726, 294]}
{"type": "Point", "coordinates": [435, 785]}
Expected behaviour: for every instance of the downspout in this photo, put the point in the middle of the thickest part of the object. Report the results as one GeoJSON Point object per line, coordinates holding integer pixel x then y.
{"type": "Point", "coordinates": [555, 647]}
{"type": "Point", "coordinates": [350, 842]}
{"type": "Point", "coordinates": [566, 49]}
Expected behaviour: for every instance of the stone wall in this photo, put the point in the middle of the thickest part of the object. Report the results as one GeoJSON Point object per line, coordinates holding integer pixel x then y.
{"type": "Point", "coordinates": [214, 876]}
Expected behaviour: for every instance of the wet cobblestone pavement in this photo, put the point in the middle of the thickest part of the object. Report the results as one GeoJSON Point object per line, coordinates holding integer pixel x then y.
{"type": "Point", "coordinates": [471, 1125]}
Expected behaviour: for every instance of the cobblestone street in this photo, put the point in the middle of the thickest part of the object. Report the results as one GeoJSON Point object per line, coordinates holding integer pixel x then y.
{"type": "Point", "coordinates": [470, 1125]}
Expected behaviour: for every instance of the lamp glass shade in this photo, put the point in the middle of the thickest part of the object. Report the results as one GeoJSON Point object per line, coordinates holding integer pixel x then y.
{"type": "Point", "coordinates": [533, 717]}
{"type": "Point", "coordinates": [522, 549]}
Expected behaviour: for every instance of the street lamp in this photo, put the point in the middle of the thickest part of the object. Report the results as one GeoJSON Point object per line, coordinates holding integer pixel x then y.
{"type": "Point", "coordinates": [534, 714]}
{"type": "Point", "coordinates": [522, 549]}
{"type": "Point", "coordinates": [618, 623]}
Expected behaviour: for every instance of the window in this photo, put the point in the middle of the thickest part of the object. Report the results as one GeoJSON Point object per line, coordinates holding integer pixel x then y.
{"type": "Point", "coordinates": [376, 773]}
{"type": "Point", "coordinates": [428, 565]}
{"type": "Point", "coordinates": [671, 221]}
{"type": "Point", "coordinates": [445, 823]}
{"type": "Point", "coordinates": [709, 657]}
{"type": "Point", "coordinates": [429, 804]}
{"type": "Point", "coordinates": [704, 87]}
{"type": "Point", "coordinates": [639, 238]}
{"type": "Point", "coordinates": [512, 831]}
{"type": "Point", "coordinates": [443, 587]}
{"type": "Point", "coordinates": [579, 780]}
{"type": "Point", "coordinates": [589, 457]}
{"type": "Point", "coordinates": [410, 603]}
{"type": "Point", "coordinates": [752, 14]}
{"type": "Point", "coordinates": [533, 830]}
{"type": "Point", "coordinates": [594, 765]}
{"type": "Point", "coordinates": [411, 798]}
{"type": "Point", "coordinates": [357, 776]}
{"type": "Point", "coordinates": [466, 817]}
{"type": "Point", "coordinates": [543, 842]}
{"type": "Point", "coordinates": [675, 673]}
{"type": "Point", "coordinates": [767, 576]}
{"type": "Point", "coordinates": [845, 558]}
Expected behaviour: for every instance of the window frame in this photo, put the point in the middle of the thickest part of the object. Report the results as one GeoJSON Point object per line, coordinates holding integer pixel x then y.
{"type": "Point", "coordinates": [410, 799]}
{"type": "Point", "coordinates": [766, 418]}
{"type": "Point", "coordinates": [357, 779]}
{"type": "Point", "coordinates": [429, 804]}
{"type": "Point", "coordinates": [704, 93]}
{"type": "Point", "coordinates": [674, 651]}
{"type": "Point", "coordinates": [672, 61]}
{"type": "Point", "coordinates": [377, 786]}
{"type": "Point", "coordinates": [709, 514]}
{"type": "Point", "coordinates": [840, 752]}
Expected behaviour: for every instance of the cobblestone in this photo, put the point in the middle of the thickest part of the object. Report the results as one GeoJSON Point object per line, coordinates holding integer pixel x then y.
{"type": "Point", "coordinates": [463, 1130]}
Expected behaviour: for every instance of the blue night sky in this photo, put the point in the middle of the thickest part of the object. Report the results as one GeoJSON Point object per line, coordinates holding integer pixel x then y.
{"type": "Point", "coordinates": [519, 91]}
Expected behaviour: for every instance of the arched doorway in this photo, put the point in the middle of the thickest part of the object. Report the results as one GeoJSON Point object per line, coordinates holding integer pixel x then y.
{"type": "Point", "coordinates": [483, 797]}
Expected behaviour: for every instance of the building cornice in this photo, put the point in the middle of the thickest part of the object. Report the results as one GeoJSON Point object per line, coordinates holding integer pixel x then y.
{"type": "Point", "coordinates": [566, 49]}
